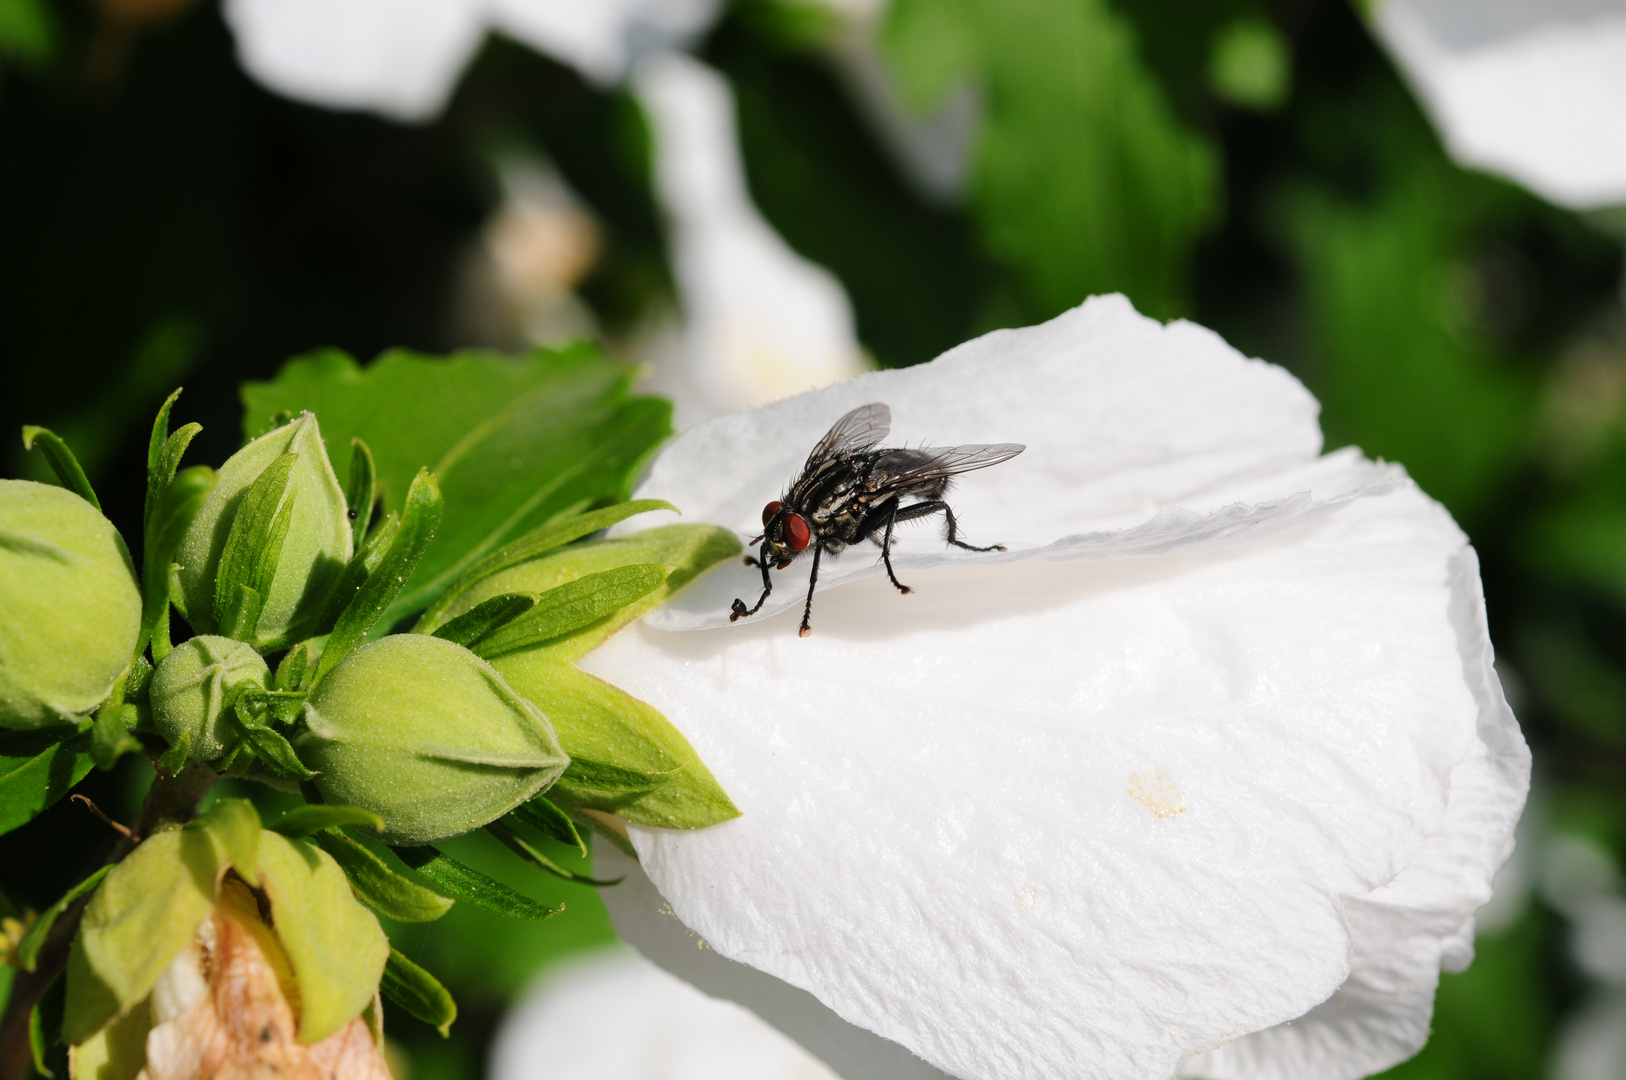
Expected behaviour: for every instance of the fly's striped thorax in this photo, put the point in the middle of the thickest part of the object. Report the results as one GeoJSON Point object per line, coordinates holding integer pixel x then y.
{"type": "Point", "coordinates": [832, 492]}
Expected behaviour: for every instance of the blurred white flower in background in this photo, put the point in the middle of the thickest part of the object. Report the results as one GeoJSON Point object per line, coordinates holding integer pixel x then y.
{"type": "Point", "coordinates": [402, 58]}
{"type": "Point", "coordinates": [1208, 773]}
{"type": "Point", "coordinates": [1532, 89]}
{"type": "Point", "coordinates": [760, 322]}
{"type": "Point", "coordinates": [518, 284]}
{"type": "Point", "coordinates": [1580, 880]}
{"type": "Point", "coordinates": [612, 1015]}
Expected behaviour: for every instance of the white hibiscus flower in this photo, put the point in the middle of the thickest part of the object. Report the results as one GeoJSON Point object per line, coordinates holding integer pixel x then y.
{"type": "Point", "coordinates": [1207, 774]}
{"type": "Point", "coordinates": [1532, 89]}
{"type": "Point", "coordinates": [402, 58]}
{"type": "Point", "coordinates": [760, 322]}
{"type": "Point", "coordinates": [612, 1015]}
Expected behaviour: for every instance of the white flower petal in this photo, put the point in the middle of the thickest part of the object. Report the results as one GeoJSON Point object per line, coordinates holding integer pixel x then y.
{"type": "Point", "coordinates": [1106, 458]}
{"type": "Point", "coordinates": [1532, 89]}
{"type": "Point", "coordinates": [1406, 932]}
{"type": "Point", "coordinates": [644, 920]}
{"type": "Point", "coordinates": [762, 322]}
{"type": "Point", "coordinates": [397, 57]}
{"type": "Point", "coordinates": [614, 1016]}
{"type": "Point", "coordinates": [600, 37]}
{"type": "Point", "coordinates": [1086, 814]}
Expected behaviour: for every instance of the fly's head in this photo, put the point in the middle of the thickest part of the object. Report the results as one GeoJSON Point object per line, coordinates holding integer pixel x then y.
{"type": "Point", "coordinates": [786, 532]}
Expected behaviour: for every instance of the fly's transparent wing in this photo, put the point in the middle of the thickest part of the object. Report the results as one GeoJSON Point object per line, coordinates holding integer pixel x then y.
{"type": "Point", "coordinates": [858, 430]}
{"type": "Point", "coordinates": [900, 468]}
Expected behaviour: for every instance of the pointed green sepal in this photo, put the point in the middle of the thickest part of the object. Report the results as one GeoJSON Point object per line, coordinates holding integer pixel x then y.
{"type": "Point", "coordinates": [419, 993]}
{"type": "Point", "coordinates": [62, 462]}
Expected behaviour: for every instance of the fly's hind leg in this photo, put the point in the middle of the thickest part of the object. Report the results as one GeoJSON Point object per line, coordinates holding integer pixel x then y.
{"type": "Point", "coordinates": [932, 506]}
{"type": "Point", "coordinates": [886, 553]}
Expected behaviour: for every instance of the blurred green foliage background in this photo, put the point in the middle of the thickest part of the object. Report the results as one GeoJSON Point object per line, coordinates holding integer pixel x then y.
{"type": "Point", "coordinates": [1254, 165]}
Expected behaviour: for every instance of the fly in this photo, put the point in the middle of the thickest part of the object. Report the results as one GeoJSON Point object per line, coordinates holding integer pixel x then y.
{"type": "Point", "coordinates": [851, 490]}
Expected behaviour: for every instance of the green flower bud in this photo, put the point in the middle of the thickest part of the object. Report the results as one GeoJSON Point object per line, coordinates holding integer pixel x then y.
{"type": "Point", "coordinates": [315, 547]}
{"type": "Point", "coordinates": [190, 690]}
{"type": "Point", "coordinates": [428, 736]}
{"type": "Point", "coordinates": [70, 608]}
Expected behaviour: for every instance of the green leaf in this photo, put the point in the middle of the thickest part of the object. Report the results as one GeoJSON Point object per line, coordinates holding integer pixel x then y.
{"type": "Point", "coordinates": [28, 31]}
{"type": "Point", "coordinates": [156, 441]}
{"type": "Point", "coordinates": [379, 887]}
{"type": "Point", "coordinates": [249, 560]}
{"type": "Point", "coordinates": [567, 608]}
{"type": "Point", "coordinates": [1250, 64]}
{"type": "Point", "coordinates": [164, 452]}
{"type": "Point", "coordinates": [270, 747]}
{"type": "Point", "coordinates": [274, 752]}
{"type": "Point", "coordinates": [539, 542]}
{"type": "Point", "coordinates": [119, 1050]}
{"type": "Point", "coordinates": [139, 681]}
{"type": "Point", "coordinates": [625, 756]}
{"type": "Point", "coordinates": [271, 706]}
{"type": "Point", "coordinates": [39, 767]}
{"type": "Point", "coordinates": [1391, 352]}
{"type": "Point", "coordinates": [110, 735]}
{"type": "Point", "coordinates": [235, 825]}
{"type": "Point", "coordinates": [62, 462]}
{"type": "Point", "coordinates": [514, 442]}
{"type": "Point", "coordinates": [687, 549]}
{"type": "Point", "coordinates": [28, 948]}
{"type": "Point", "coordinates": [145, 912]}
{"type": "Point", "coordinates": [167, 522]}
{"type": "Point", "coordinates": [460, 882]}
{"type": "Point", "coordinates": [333, 944]}
{"type": "Point", "coordinates": [618, 747]}
{"type": "Point", "coordinates": [295, 663]}
{"type": "Point", "coordinates": [360, 567]}
{"type": "Point", "coordinates": [532, 854]}
{"type": "Point", "coordinates": [485, 617]}
{"type": "Point", "coordinates": [599, 785]}
{"type": "Point", "coordinates": [419, 520]}
{"type": "Point", "coordinates": [418, 992]}
{"type": "Point", "coordinates": [169, 458]}
{"type": "Point", "coordinates": [241, 614]}
{"type": "Point", "coordinates": [360, 489]}
{"type": "Point", "coordinates": [45, 1041]}
{"type": "Point", "coordinates": [552, 822]}
{"type": "Point", "coordinates": [314, 817]}
{"type": "Point", "coordinates": [1084, 180]}
{"type": "Point", "coordinates": [174, 759]}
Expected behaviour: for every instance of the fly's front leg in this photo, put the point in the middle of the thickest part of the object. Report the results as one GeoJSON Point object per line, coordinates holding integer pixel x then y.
{"type": "Point", "coordinates": [886, 552]}
{"type": "Point", "coordinates": [812, 581]}
{"type": "Point", "coordinates": [738, 609]}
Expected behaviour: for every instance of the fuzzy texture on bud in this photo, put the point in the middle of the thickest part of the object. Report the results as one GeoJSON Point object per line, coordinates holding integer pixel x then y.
{"type": "Point", "coordinates": [427, 735]}
{"type": "Point", "coordinates": [315, 548]}
{"type": "Point", "coordinates": [70, 609]}
{"type": "Point", "coordinates": [193, 687]}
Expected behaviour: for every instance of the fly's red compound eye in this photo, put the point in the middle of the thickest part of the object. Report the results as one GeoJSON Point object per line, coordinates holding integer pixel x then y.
{"type": "Point", "coordinates": [769, 511]}
{"type": "Point", "coordinates": [797, 533]}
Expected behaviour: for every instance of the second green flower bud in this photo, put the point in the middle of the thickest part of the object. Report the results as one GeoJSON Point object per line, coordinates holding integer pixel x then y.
{"type": "Point", "coordinates": [427, 735]}
{"type": "Point", "coordinates": [193, 690]}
